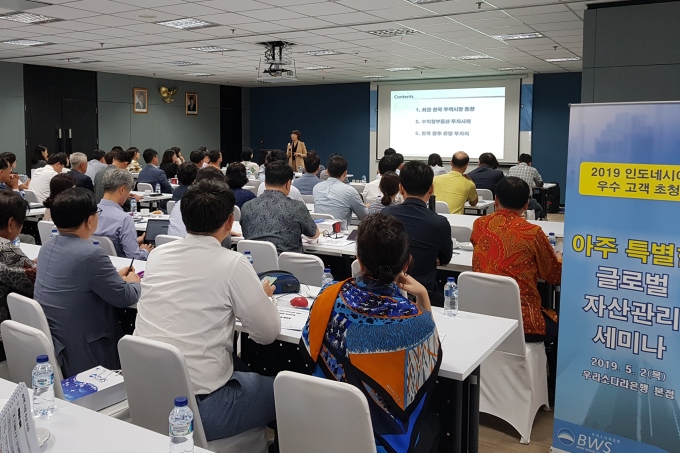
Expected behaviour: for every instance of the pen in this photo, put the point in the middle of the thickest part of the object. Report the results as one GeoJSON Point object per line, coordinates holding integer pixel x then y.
{"type": "Point", "coordinates": [130, 268]}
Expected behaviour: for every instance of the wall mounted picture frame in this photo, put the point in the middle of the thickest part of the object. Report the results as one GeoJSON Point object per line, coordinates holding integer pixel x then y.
{"type": "Point", "coordinates": [191, 103]}
{"type": "Point", "coordinates": [140, 100]}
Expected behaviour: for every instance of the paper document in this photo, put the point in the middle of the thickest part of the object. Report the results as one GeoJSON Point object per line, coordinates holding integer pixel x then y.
{"type": "Point", "coordinates": [335, 242]}
{"type": "Point", "coordinates": [293, 319]}
{"type": "Point", "coordinates": [17, 428]}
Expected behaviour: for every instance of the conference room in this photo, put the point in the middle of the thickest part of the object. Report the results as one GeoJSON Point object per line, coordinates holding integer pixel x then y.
{"type": "Point", "coordinates": [356, 243]}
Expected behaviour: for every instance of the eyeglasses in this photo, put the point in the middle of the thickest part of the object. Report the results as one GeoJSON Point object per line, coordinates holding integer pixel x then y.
{"type": "Point", "coordinates": [328, 234]}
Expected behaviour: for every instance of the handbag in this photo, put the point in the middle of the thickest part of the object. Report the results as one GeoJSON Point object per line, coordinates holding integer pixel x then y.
{"type": "Point", "coordinates": [285, 282]}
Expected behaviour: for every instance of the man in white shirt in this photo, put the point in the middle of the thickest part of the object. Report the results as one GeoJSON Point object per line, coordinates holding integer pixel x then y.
{"type": "Point", "coordinates": [40, 184]}
{"type": "Point", "coordinates": [96, 163]}
{"type": "Point", "coordinates": [336, 198]}
{"type": "Point", "coordinates": [196, 312]}
{"type": "Point", "coordinates": [372, 189]}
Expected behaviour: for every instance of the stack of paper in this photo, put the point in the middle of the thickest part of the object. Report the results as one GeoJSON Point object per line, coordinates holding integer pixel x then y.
{"type": "Point", "coordinates": [17, 428]}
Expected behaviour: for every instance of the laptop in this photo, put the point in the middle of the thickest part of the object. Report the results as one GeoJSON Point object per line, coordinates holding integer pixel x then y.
{"type": "Point", "coordinates": [154, 227]}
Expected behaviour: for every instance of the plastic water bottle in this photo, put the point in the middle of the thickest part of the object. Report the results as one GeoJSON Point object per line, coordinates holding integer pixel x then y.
{"type": "Point", "coordinates": [95, 243]}
{"type": "Point", "coordinates": [327, 277]}
{"type": "Point", "coordinates": [133, 206]}
{"type": "Point", "coordinates": [16, 242]}
{"type": "Point", "coordinates": [181, 427]}
{"type": "Point", "coordinates": [451, 297]}
{"type": "Point", "coordinates": [158, 187]}
{"type": "Point", "coordinates": [363, 179]}
{"type": "Point", "coordinates": [552, 240]}
{"type": "Point", "coordinates": [249, 257]}
{"type": "Point", "coordinates": [299, 168]}
{"type": "Point", "coordinates": [43, 388]}
{"type": "Point", "coordinates": [54, 232]}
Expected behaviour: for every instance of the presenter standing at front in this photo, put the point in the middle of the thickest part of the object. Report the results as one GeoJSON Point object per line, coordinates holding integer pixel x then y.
{"type": "Point", "coordinates": [296, 151]}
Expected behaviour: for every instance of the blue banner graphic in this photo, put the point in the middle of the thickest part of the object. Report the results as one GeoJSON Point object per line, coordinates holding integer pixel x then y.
{"type": "Point", "coordinates": [619, 348]}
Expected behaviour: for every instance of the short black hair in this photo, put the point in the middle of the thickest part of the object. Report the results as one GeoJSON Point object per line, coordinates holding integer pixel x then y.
{"type": "Point", "coordinates": [117, 148]}
{"type": "Point", "coordinates": [168, 155]}
{"type": "Point", "coordinates": [382, 247]}
{"type": "Point", "coordinates": [206, 205]}
{"type": "Point", "coordinates": [9, 157]}
{"type": "Point", "coordinates": [388, 163]}
{"type": "Point", "coordinates": [203, 148]}
{"type": "Point", "coordinates": [12, 205]}
{"type": "Point", "coordinates": [210, 173]}
{"type": "Point", "coordinates": [275, 155]}
{"type": "Point", "coordinates": [236, 175]}
{"type": "Point", "coordinates": [132, 150]}
{"type": "Point", "coordinates": [108, 157]}
{"type": "Point", "coordinates": [278, 173]}
{"type": "Point", "coordinates": [399, 158]}
{"type": "Point", "coordinates": [416, 178]}
{"type": "Point", "coordinates": [73, 207]}
{"type": "Point", "coordinates": [214, 155]}
{"type": "Point", "coordinates": [57, 158]}
{"type": "Point", "coordinates": [197, 156]}
{"type": "Point", "coordinates": [97, 154]}
{"type": "Point", "coordinates": [246, 154]}
{"type": "Point", "coordinates": [512, 192]}
{"type": "Point", "coordinates": [121, 156]}
{"type": "Point", "coordinates": [58, 184]}
{"type": "Point", "coordinates": [488, 159]}
{"type": "Point", "coordinates": [459, 163]}
{"type": "Point", "coordinates": [186, 173]}
{"type": "Point", "coordinates": [312, 162]}
{"type": "Point", "coordinates": [149, 155]}
{"type": "Point", "coordinates": [337, 165]}
{"type": "Point", "coordinates": [526, 158]}
{"type": "Point", "coordinates": [37, 154]}
{"type": "Point", "coordinates": [435, 160]}
{"type": "Point", "coordinates": [389, 151]}
{"type": "Point", "coordinates": [4, 163]}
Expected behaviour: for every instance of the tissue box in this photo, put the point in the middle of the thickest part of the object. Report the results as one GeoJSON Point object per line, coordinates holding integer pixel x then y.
{"type": "Point", "coordinates": [94, 389]}
{"type": "Point", "coordinates": [329, 225]}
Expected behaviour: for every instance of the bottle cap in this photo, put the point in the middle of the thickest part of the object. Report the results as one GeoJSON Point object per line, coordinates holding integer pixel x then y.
{"type": "Point", "coordinates": [95, 242]}
{"type": "Point", "coordinates": [181, 401]}
{"type": "Point", "coordinates": [327, 270]}
{"type": "Point", "coordinates": [451, 279]}
{"type": "Point", "coordinates": [246, 253]}
{"type": "Point", "coordinates": [42, 359]}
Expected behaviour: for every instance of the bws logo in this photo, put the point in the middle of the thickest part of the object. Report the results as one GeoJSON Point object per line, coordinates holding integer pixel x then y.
{"type": "Point", "coordinates": [594, 444]}
{"type": "Point", "coordinates": [565, 436]}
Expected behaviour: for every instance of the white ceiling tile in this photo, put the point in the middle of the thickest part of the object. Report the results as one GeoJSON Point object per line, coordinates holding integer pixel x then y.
{"type": "Point", "coordinates": [101, 6]}
{"type": "Point", "coordinates": [277, 14]}
{"type": "Point", "coordinates": [350, 18]}
{"type": "Point", "coordinates": [189, 10]}
{"type": "Point", "coordinates": [321, 9]}
{"type": "Point", "coordinates": [63, 12]}
{"type": "Point", "coordinates": [109, 21]}
{"type": "Point", "coordinates": [235, 5]}
{"type": "Point", "coordinates": [548, 18]}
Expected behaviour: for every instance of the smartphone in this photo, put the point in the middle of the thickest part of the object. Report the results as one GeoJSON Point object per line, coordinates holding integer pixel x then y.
{"type": "Point", "coordinates": [269, 278]}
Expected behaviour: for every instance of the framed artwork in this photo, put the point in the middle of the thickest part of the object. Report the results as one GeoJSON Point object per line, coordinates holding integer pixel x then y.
{"type": "Point", "coordinates": [140, 100]}
{"type": "Point", "coordinates": [192, 103]}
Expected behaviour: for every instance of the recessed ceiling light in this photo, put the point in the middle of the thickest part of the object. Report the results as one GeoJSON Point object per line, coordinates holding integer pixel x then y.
{"type": "Point", "coordinates": [516, 68]}
{"type": "Point", "coordinates": [26, 42]}
{"type": "Point", "coordinates": [318, 53]}
{"type": "Point", "coordinates": [211, 49]}
{"type": "Point", "coordinates": [554, 60]}
{"type": "Point", "coordinates": [198, 74]}
{"type": "Point", "coordinates": [187, 23]}
{"type": "Point", "coordinates": [316, 68]}
{"type": "Point", "coordinates": [400, 69]}
{"type": "Point", "coordinates": [394, 32]}
{"type": "Point", "coordinates": [180, 63]}
{"type": "Point", "coordinates": [474, 57]}
{"type": "Point", "coordinates": [375, 76]}
{"type": "Point", "coordinates": [28, 18]}
{"type": "Point", "coordinates": [517, 36]}
{"type": "Point", "coordinates": [80, 60]}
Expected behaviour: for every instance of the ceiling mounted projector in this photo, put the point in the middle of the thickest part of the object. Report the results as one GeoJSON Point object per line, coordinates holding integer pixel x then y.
{"type": "Point", "coordinates": [277, 56]}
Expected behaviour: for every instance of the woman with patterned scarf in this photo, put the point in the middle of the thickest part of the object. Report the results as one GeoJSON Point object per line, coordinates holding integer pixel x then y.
{"type": "Point", "coordinates": [364, 332]}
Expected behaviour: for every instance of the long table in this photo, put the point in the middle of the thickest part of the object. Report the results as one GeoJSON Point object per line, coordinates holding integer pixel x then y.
{"type": "Point", "coordinates": [466, 340]}
{"type": "Point", "coordinates": [32, 250]}
{"type": "Point", "coordinates": [74, 429]}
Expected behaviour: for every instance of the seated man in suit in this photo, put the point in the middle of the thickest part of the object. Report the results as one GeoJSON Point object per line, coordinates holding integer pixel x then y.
{"type": "Point", "coordinates": [118, 159]}
{"type": "Point", "coordinates": [78, 287]}
{"type": "Point", "coordinates": [429, 234]}
{"type": "Point", "coordinates": [153, 175]}
{"type": "Point", "coordinates": [116, 224]}
{"type": "Point", "coordinates": [186, 175]}
{"type": "Point", "coordinates": [485, 176]}
{"type": "Point", "coordinates": [78, 170]}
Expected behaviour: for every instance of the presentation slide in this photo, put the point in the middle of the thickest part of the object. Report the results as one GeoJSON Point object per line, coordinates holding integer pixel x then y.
{"type": "Point", "coordinates": [443, 121]}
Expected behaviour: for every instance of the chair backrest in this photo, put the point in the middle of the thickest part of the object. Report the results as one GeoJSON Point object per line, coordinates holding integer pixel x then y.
{"type": "Point", "coordinates": [23, 344]}
{"type": "Point", "coordinates": [253, 189]}
{"type": "Point", "coordinates": [485, 193]}
{"type": "Point", "coordinates": [144, 186]}
{"type": "Point", "coordinates": [441, 207]}
{"type": "Point", "coordinates": [45, 230]}
{"type": "Point", "coordinates": [316, 216]}
{"type": "Point", "coordinates": [494, 295]}
{"type": "Point", "coordinates": [264, 254]}
{"type": "Point", "coordinates": [170, 206]}
{"type": "Point", "coordinates": [356, 268]}
{"type": "Point", "coordinates": [29, 196]}
{"type": "Point", "coordinates": [237, 213]}
{"type": "Point", "coordinates": [461, 233]}
{"type": "Point", "coordinates": [155, 374]}
{"type": "Point", "coordinates": [106, 244]}
{"type": "Point", "coordinates": [308, 199]}
{"type": "Point", "coordinates": [306, 268]}
{"type": "Point", "coordinates": [308, 405]}
{"type": "Point", "coordinates": [27, 311]}
{"type": "Point", "coordinates": [165, 238]}
{"type": "Point", "coordinates": [253, 183]}
{"type": "Point", "coordinates": [359, 186]}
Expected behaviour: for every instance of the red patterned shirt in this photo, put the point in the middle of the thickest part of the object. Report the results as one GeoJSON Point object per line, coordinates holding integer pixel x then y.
{"type": "Point", "coordinates": [506, 244]}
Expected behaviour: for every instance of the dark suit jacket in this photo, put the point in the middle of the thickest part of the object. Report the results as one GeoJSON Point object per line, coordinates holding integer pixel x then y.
{"type": "Point", "coordinates": [153, 175]}
{"type": "Point", "coordinates": [82, 180]}
{"type": "Point", "coordinates": [486, 178]}
{"type": "Point", "coordinates": [78, 288]}
{"type": "Point", "coordinates": [429, 238]}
